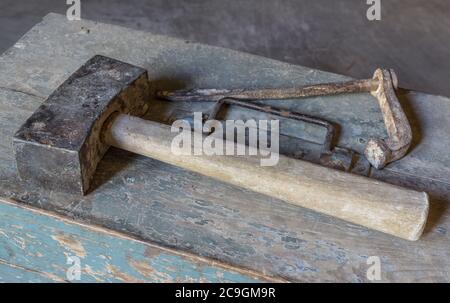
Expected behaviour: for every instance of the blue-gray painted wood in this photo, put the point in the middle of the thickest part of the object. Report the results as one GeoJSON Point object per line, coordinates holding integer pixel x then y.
{"type": "Point", "coordinates": [35, 247]}
{"type": "Point", "coordinates": [167, 205]}
{"type": "Point", "coordinates": [12, 274]}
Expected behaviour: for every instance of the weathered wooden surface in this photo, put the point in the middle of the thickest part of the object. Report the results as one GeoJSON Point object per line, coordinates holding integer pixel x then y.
{"type": "Point", "coordinates": [161, 203]}
{"type": "Point", "coordinates": [35, 247]}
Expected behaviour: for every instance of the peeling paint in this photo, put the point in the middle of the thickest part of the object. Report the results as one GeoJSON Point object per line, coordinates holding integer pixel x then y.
{"type": "Point", "coordinates": [121, 275]}
{"type": "Point", "coordinates": [70, 243]}
{"type": "Point", "coordinates": [142, 267]}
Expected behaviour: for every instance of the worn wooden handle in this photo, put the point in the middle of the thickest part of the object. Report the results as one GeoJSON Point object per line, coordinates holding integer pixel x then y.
{"type": "Point", "coordinates": [374, 204]}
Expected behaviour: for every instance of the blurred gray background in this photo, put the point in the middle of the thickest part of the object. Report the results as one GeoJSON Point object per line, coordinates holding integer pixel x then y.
{"type": "Point", "coordinates": [413, 36]}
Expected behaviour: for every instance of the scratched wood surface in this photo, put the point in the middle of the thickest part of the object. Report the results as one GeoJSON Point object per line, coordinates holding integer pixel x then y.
{"type": "Point", "coordinates": [163, 204]}
{"type": "Point", "coordinates": [35, 247]}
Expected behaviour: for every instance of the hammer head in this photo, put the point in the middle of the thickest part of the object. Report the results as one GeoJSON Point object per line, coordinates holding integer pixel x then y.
{"type": "Point", "coordinates": [59, 146]}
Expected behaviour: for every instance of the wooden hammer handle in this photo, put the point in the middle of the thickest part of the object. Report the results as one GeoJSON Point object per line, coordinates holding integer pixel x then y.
{"type": "Point", "coordinates": [374, 204]}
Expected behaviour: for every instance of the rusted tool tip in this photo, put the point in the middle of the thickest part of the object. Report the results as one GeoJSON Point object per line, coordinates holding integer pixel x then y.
{"type": "Point", "coordinates": [380, 152]}
{"type": "Point", "coordinates": [194, 94]}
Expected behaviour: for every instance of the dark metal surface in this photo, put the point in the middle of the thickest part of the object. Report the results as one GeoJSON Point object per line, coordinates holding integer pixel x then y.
{"type": "Point", "coordinates": [315, 90]}
{"type": "Point", "coordinates": [328, 155]}
{"type": "Point", "coordinates": [378, 151]}
{"type": "Point", "coordinates": [280, 113]}
{"type": "Point", "coordinates": [59, 146]}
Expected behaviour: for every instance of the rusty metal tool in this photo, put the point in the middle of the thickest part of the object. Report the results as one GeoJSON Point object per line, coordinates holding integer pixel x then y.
{"type": "Point", "coordinates": [328, 126]}
{"type": "Point", "coordinates": [379, 152]}
{"type": "Point", "coordinates": [100, 105]}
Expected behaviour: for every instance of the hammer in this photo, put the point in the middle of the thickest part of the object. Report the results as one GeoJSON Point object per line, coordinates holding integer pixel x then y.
{"type": "Point", "coordinates": [100, 105]}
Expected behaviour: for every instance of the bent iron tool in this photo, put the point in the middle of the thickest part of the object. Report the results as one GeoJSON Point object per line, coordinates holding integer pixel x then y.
{"type": "Point", "coordinates": [59, 147]}
{"type": "Point", "coordinates": [379, 152]}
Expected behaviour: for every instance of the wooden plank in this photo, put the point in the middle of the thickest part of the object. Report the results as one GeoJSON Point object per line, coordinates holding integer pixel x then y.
{"type": "Point", "coordinates": [35, 247]}
{"type": "Point", "coordinates": [167, 205]}
{"type": "Point", "coordinates": [13, 274]}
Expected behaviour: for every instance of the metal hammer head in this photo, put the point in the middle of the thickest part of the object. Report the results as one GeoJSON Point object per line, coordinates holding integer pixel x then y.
{"type": "Point", "coordinates": [59, 146]}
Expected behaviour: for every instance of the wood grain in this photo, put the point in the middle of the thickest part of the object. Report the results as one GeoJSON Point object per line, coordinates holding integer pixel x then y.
{"type": "Point", "coordinates": [35, 246]}
{"type": "Point", "coordinates": [381, 206]}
